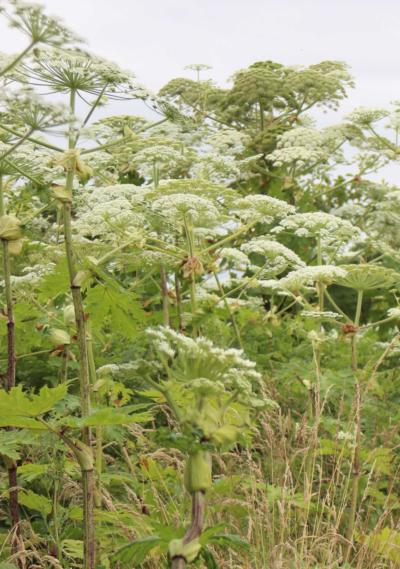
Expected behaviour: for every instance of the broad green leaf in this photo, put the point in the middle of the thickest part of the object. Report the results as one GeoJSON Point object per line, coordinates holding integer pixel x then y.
{"type": "Point", "coordinates": [55, 283]}
{"type": "Point", "coordinates": [29, 472]}
{"type": "Point", "coordinates": [115, 306]}
{"type": "Point", "coordinates": [72, 548]}
{"type": "Point", "coordinates": [209, 559]}
{"type": "Point", "coordinates": [16, 403]}
{"type": "Point", "coordinates": [230, 541]}
{"type": "Point", "coordinates": [22, 423]}
{"type": "Point", "coordinates": [110, 416]}
{"type": "Point", "coordinates": [35, 501]}
{"type": "Point", "coordinates": [385, 543]}
{"type": "Point", "coordinates": [137, 551]}
{"type": "Point", "coordinates": [8, 447]}
{"type": "Point", "coordinates": [105, 417]}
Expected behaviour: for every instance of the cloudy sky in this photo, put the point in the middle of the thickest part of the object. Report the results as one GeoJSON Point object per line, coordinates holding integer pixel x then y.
{"type": "Point", "coordinates": [157, 38]}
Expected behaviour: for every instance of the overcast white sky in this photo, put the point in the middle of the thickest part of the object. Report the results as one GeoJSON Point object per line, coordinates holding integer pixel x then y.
{"type": "Point", "coordinates": [157, 38]}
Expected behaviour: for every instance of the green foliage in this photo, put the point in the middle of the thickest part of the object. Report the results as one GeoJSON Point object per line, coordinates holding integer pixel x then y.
{"type": "Point", "coordinates": [17, 403]}
{"type": "Point", "coordinates": [205, 304]}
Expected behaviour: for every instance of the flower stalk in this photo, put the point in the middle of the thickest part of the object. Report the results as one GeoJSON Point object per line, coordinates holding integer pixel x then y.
{"type": "Point", "coordinates": [11, 464]}
{"type": "Point", "coordinates": [84, 375]}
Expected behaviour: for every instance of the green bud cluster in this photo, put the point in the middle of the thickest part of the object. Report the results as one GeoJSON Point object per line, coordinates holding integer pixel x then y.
{"type": "Point", "coordinates": [197, 475]}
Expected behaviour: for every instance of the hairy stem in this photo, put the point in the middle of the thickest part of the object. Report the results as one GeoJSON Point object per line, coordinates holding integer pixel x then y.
{"type": "Point", "coordinates": [178, 302]}
{"type": "Point", "coordinates": [356, 466]}
{"type": "Point", "coordinates": [164, 296]}
{"type": "Point", "coordinates": [10, 381]}
{"type": "Point", "coordinates": [195, 528]}
{"type": "Point", "coordinates": [228, 309]}
{"type": "Point", "coordinates": [84, 376]}
{"type": "Point", "coordinates": [99, 429]}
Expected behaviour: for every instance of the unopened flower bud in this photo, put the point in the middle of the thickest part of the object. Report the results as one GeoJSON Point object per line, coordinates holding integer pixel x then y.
{"type": "Point", "coordinates": [69, 316]}
{"type": "Point", "coordinates": [59, 337]}
{"type": "Point", "coordinates": [15, 247]}
{"type": "Point", "coordinates": [10, 228]}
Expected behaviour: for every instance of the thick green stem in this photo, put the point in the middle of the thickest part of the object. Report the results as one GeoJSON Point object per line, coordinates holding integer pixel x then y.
{"type": "Point", "coordinates": [261, 110]}
{"type": "Point", "coordinates": [99, 429]}
{"type": "Point", "coordinates": [84, 376]}
{"type": "Point", "coordinates": [10, 381]}
{"type": "Point", "coordinates": [356, 463]}
{"type": "Point", "coordinates": [229, 311]}
{"type": "Point", "coordinates": [89, 544]}
{"type": "Point", "coordinates": [178, 302]}
{"type": "Point", "coordinates": [164, 296]}
{"type": "Point", "coordinates": [192, 287]}
{"type": "Point", "coordinates": [314, 394]}
{"type": "Point", "coordinates": [196, 527]}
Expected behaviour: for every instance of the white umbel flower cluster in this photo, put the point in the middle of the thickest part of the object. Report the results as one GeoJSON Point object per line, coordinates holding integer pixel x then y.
{"type": "Point", "coordinates": [30, 276]}
{"type": "Point", "coordinates": [200, 358]}
{"type": "Point", "coordinates": [257, 207]}
{"type": "Point", "coordinates": [301, 146]}
{"type": "Point", "coordinates": [272, 250]}
{"type": "Point", "coordinates": [216, 168]}
{"type": "Point", "coordinates": [102, 210]}
{"type": "Point", "coordinates": [62, 70]}
{"type": "Point", "coordinates": [178, 208]}
{"type": "Point", "coordinates": [321, 315]}
{"type": "Point", "coordinates": [326, 226]}
{"type": "Point", "coordinates": [29, 17]}
{"type": "Point", "coordinates": [394, 313]}
{"type": "Point", "coordinates": [307, 276]}
{"type": "Point", "coordinates": [164, 157]}
{"type": "Point", "coordinates": [363, 116]}
{"type": "Point", "coordinates": [227, 141]}
{"type": "Point", "coordinates": [234, 257]}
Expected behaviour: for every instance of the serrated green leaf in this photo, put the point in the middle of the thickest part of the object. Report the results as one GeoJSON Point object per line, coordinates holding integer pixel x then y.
{"type": "Point", "coordinates": [16, 403]}
{"type": "Point", "coordinates": [55, 283]}
{"type": "Point", "coordinates": [230, 541]}
{"type": "Point", "coordinates": [8, 447]}
{"type": "Point", "coordinates": [116, 307]}
{"type": "Point", "coordinates": [35, 501]}
{"type": "Point", "coordinates": [72, 548]}
{"type": "Point", "coordinates": [105, 417]}
{"type": "Point", "coordinates": [22, 423]}
{"type": "Point", "coordinates": [29, 472]}
{"type": "Point", "coordinates": [137, 551]}
{"type": "Point", "coordinates": [110, 416]}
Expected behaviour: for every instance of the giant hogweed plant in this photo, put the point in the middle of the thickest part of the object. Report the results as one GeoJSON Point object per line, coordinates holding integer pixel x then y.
{"type": "Point", "coordinates": [188, 226]}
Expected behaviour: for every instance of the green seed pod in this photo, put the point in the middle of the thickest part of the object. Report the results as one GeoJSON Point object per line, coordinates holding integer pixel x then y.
{"type": "Point", "coordinates": [189, 551]}
{"type": "Point", "coordinates": [197, 475]}
{"type": "Point", "coordinates": [10, 228]}
{"type": "Point", "coordinates": [69, 316]}
{"type": "Point", "coordinates": [59, 337]}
